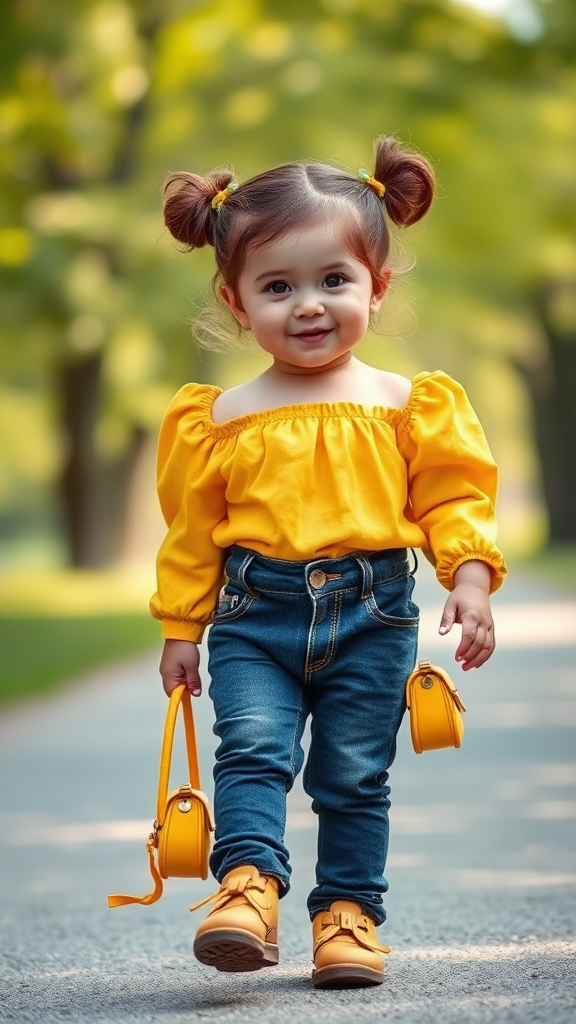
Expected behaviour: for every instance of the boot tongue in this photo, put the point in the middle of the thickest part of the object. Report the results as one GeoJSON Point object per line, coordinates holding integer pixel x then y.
{"type": "Point", "coordinates": [345, 907]}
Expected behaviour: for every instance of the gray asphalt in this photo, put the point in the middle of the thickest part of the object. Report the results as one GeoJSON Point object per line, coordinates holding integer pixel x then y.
{"type": "Point", "coordinates": [482, 901]}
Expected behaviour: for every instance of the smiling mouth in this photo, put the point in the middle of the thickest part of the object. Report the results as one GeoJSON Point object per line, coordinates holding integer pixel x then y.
{"type": "Point", "coordinates": [313, 335]}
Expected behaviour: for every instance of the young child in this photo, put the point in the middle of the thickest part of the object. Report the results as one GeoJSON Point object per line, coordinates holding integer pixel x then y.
{"type": "Point", "coordinates": [290, 502]}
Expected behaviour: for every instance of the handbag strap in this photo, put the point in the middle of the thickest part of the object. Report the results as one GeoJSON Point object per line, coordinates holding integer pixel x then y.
{"type": "Point", "coordinates": [180, 697]}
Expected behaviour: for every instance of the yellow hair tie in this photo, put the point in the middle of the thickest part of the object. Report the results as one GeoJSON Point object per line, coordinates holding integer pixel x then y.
{"type": "Point", "coordinates": [374, 184]}
{"type": "Point", "coordinates": [222, 196]}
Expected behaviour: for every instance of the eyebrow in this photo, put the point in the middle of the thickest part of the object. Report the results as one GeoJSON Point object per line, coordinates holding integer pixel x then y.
{"type": "Point", "coordinates": [341, 265]}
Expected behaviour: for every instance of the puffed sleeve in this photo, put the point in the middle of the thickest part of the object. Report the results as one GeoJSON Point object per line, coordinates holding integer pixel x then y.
{"type": "Point", "coordinates": [452, 478]}
{"type": "Point", "coordinates": [190, 566]}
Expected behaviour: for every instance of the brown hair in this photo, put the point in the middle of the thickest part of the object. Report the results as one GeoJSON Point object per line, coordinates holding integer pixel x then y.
{"type": "Point", "coordinates": [293, 195]}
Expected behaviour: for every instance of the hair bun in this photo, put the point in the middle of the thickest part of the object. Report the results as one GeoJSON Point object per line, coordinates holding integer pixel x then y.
{"type": "Point", "coordinates": [187, 203]}
{"type": "Point", "coordinates": [408, 178]}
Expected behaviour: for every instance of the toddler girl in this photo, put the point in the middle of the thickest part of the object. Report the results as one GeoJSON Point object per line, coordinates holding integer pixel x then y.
{"type": "Point", "coordinates": [291, 501]}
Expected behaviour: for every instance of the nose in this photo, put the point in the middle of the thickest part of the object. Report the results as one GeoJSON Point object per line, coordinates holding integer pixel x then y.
{"type": "Point", "coordinates": [309, 304]}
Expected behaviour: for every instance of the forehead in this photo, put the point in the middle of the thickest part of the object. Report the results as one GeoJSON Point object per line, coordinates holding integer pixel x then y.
{"type": "Point", "coordinates": [319, 245]}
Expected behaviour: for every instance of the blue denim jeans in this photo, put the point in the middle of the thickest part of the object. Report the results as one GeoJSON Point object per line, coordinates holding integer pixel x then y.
{"type": "Point", "coordinates": [333, 639]}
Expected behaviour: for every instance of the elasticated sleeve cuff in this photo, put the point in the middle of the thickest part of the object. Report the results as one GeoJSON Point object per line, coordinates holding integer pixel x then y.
{"type": "Point", "coordinates": [174, 630]}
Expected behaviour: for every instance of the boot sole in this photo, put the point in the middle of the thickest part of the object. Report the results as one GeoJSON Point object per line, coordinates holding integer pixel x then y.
{"type": "Point", "coordinates": [234, 951]}
{"type": "Point", "coordinates": [346, 976]}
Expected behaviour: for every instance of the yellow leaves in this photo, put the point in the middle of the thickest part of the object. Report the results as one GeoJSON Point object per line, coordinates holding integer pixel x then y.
{"type": "Point", "coordinates": [129, 84]}
{"type": "Point", "coordinates": [558, 258]}
{"type": "Point", "coordinates": [12, 117]}
{"type": "Point", "coordinates": [57, 212]}
{"type": "Point", "coordinates": [331, 36]}
{"type": "Point", "coordinates": [191, 46]}
{"type": "Point", "coordinates": [176, 121]}
{"type": "Point", "coordinates": [93, 216]}
{"type": "Point", "coordinates": [270, 41]}
{"type": "Point", "coordinates": [90, 287]}
{"type": "Point", "coordinates": [445, 134]}
{"type": "Point", "coordinates": [133, 355]}
{"type": "Point", "coordinates": [208, 34]}
{"type": "Point", "coordinates": [16, 246]}
{"type": "Point", "coordinates": [247, 108]}
{"type": "Point", "coordinates": [557, 116]}
{"type": "Point", "coordinates": [112, 27]}
{"type": "Point", "coordinates": [30, 448]}
{"type": "Point", "coordinates": [132, 367]}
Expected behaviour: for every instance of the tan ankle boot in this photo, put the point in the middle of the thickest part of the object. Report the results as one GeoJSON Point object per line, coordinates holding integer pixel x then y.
{"type": "Point", "coordinates": [346, 948]}
{"type": "Point", "coordinates": [241, 932]}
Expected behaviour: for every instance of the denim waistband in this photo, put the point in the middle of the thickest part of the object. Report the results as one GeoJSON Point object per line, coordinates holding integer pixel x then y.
{"type": "Point", "coordinates": [360, 569]}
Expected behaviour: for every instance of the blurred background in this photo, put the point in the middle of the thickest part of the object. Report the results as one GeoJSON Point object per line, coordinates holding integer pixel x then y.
{"type": "Point", "coordinates": [99, 100]}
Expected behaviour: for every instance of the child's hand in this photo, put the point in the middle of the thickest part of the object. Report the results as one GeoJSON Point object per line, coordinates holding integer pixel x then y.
{"type": "Point", "coordinates": [179, 664]}
{"type": "Point", "coordinates": [469, 604]}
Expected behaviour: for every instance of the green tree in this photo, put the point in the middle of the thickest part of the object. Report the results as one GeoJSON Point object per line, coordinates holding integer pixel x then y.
{"type": "Point", "coordinates": [100, 98]}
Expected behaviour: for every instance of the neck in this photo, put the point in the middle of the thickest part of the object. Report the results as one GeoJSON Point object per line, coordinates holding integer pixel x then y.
{"type": "Point", "coordinates": [281, 370]}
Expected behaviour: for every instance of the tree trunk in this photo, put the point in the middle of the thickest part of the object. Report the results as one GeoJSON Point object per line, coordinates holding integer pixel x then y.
{"type": "Point", "coordinates": [552, 390]}
{"type": "Point", "coordinates": [94, 491]}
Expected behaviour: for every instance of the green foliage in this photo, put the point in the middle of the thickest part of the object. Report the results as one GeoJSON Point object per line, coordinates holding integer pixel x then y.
{"type": "Point", "coordinates": [99, 99]}
{"type": "Point", "coordinates": [39, 654]}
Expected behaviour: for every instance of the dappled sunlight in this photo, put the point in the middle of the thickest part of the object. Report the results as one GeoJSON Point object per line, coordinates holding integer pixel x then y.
{"type": "Point", "coordinates": [93, 114]}
{"type": "Point", "coordinates": [70, 593]}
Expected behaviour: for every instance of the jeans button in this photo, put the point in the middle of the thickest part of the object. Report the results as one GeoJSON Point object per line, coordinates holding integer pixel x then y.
{"type": "Point", "coordinates": [317, 578]}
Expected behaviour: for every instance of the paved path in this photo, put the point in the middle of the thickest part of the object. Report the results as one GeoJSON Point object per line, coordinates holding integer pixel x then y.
{"type": "Point", "coordinates": [482, 906]}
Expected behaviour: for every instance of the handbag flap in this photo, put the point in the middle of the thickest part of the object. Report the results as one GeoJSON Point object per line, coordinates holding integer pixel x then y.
{"type": "Point", "coordinates": [425, 668]}
{"type": "Point", "coordinates": [186, 792]}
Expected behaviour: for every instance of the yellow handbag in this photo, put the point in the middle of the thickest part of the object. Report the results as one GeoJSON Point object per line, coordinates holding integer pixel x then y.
{"type": "Point", "coordinates": [435, 705]}
{"type": "Point", "coordinates": [181, 831]}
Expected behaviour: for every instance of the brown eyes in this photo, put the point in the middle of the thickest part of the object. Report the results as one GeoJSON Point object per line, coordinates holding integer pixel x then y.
{"type": "Point", "coordinates": [281, 287]}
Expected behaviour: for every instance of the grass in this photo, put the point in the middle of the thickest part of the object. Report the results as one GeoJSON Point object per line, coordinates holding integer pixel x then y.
{"type": "Point", "coordinates": [57, 624]}
{"type": "Point", "coordinates": [38, 653]}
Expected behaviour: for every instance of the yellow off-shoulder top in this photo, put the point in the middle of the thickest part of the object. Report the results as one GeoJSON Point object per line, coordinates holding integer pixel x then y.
{"type": "Point", "coordinates": [319, 480]}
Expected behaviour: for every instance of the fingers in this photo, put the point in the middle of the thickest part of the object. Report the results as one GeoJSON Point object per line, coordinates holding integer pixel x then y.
{"type": "Point", "coordinates": [193, 683]}
{"type": "Point", "coordinates": [477, 643]}
{"type": "Point", "coordinates": [179, 664]}
{"type": "Point", "coordinates": [448, 618]}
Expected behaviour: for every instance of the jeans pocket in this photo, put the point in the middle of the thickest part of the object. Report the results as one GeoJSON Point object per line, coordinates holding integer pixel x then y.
{"type": "Point", "coordinates": [233, 603]}
{"type": "Point", "coordinates": [390, 603]}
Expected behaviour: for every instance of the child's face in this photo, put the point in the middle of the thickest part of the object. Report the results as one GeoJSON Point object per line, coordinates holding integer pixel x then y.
{"type": "Point", "coordinates": [306, 299]}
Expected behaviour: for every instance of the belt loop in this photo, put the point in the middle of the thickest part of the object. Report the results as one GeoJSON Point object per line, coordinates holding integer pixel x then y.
{"type": "Point", "coordinates": [246, 561]}
{"type": "Point", "coordinates": [413, 571]}
{"type": "Point", "coordinates": [367, 576]}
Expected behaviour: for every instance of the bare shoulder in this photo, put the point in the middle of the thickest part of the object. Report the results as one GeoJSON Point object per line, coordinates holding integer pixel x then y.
{"type": "Point", "coordinates": [393, 390]}
{"type": "Point", "coordinates": [234, 402]}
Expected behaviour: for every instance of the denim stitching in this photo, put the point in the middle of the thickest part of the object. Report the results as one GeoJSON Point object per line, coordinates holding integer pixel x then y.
{"type": "Point", "coordinates": [300, 593]}
{"type": "Point", "coordinates": [235, 613]}
{"type": "Point", "coordinates": [367, 577]}
{"type": "Point", "coordinates": [317, 665]}
{"type": "Point", "coordinates": [291, 593]}
{"type": "Point", "coordinates": [391, 579]}
{"type": "Point", "coordinates": [242, 573]}
{"type": "Point", "coordinates": [389, 620]}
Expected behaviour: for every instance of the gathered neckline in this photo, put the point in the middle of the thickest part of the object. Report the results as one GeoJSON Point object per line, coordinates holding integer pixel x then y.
{"type": "Point", "coordinates": [304, 410]}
